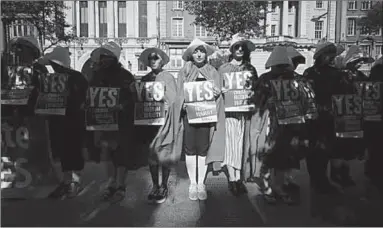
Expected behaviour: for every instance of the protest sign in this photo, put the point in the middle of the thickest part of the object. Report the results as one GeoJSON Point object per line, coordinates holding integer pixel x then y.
{"type": "Point", "coordinates": [287, 101]}
{"type": "Point", "coordinates": [26, 160]}
{"type": "Point", "coordinates": [98, 115]}
{"type": "Point", "coordinates": [310, 109]}
{"type": "Point", "coordinates": [200, 102]}
{"type": "Point", "coordinates": [53, 94]}
{"type": "Point", "coordinates": [17, 89]}
{"type": "Point", "coordinates": [150, 108]}
{"type": "Point", "coordinates": [372, 100]}
{"type": "Point", "coordinates": [348, 115]}
{"type": "Point", "coordinates": [239, 91]}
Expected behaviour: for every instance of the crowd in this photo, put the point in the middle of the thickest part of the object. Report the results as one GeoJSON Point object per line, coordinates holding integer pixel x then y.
{"type": "Point", "coordinates": [320, 116]}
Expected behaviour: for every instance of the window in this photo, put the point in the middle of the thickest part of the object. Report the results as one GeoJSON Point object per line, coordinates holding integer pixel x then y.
{"type": "Point", "coordinates": [178, 5]}
{"type": "Point", "coordinates": [351, 26]}
{"type": "Point", "coordinates": [319, 4]}
{"type": "Point", "coordinates": [366, 5]}
{"type": "Point", "coordinates": [176, 60]}
{"type": "Point", "coordinates": [143, 18]}
{"type": "Point", "coordinates": [121, 18]}
{"type": "Point", "coordinates": [366, 49]}
{"type": "Point", "coordinates": [273, 30]}
{"type": "Point", "coordinates": [21, 28]}
{"type": "Point", "coordinates": [378, 49]}
{"type": "Point", "coordinates": [273, 6]}
{"type": "Point", "coordinates": [290, 30]}
{"type": "Point", "coordinates": [84, 26]}
{"type": "Point", "coordinates": [200, 31]}
{"type": "Point", "coordinates": [352, 5]}
{"type": "Point", "coordinates": [318, 32]}
{"type": "Point", "coordinates": [103, 19]}
{"type": "Point", "coordinates": [177, 27]}
{"type": "Point", "coordinates": [364, 31]}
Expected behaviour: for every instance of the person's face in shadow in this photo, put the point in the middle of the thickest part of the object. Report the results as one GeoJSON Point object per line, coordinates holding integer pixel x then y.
{"type": "Point", "coordinates": [239, 51]}
{"type": "Point", "coordinates": [155, 62]}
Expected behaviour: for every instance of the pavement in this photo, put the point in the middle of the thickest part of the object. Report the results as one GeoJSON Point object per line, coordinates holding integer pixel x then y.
{"type": "Point", "coordinates": [361, 203]}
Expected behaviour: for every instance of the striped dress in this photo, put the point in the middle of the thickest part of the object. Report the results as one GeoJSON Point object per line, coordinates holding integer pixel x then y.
{"type": "Point", "coordinates": [235, 124]}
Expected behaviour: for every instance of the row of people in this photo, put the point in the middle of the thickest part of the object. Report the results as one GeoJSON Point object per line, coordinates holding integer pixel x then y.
{"type": "Point", "coordinates": [236, 141]}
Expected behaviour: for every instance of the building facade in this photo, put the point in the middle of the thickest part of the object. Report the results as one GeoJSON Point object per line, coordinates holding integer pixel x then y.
{"type": "Point", "coordinates": [350, 33]}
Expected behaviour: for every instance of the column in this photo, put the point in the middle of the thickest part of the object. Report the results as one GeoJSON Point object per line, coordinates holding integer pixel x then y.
{"type": "Point", "coordinates": [111, 18]}
{"type": "Point", "coordinates": [285, 18]}
{"type": "Point", "coordinates": [268, 18]}
{"type": "Point", "coordinates": [77, 17]}
{"type": "Point", "coordinates": [136, 19]}
{"type": "Point", "coordinates": [115, 9]}
{"type": "Point", "coordinates": [97, 21]}
{"type": "Point", "coordinates": [91, 19]}
{"type": "Point", "coordinates": [302, 19]}
{"type": "Point", "coordinates": [130, 20]}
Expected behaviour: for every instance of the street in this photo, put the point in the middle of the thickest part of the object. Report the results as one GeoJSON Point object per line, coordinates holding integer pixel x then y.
{"type": "Point", "coordinates": [221, 208]}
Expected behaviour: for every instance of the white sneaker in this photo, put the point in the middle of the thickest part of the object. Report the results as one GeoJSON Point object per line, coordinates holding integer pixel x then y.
{"type": "Point", "coordinates": [202, 194]}
{"type": "Point", "coordinates": [193, 192]}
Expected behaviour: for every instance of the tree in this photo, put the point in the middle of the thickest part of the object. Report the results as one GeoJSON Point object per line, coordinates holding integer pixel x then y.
{"type": "Point", "coordinates": [226, 18]}
{"type": "Point", "coordinates": [373, 20]}
{"type": "Point", "coordinates": [48, 17]}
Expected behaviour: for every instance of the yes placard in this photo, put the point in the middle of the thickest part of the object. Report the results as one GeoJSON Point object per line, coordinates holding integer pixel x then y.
{"type": "Point", "coordinates": [53, 94]}
{"type": "Point", "coordinates": [99, 117]}
{"type": "Point", "coordinates": [239, 91]}
{"type": "Point", "coordinates": [200, 102]}
{"type": "Point", "coordinates": [18, 88]}
{"type": "Point", "coordinates": [372, 100]}
{"type": "Point", "coordinates": [287, 101]}
{"type": "Point", "coordinates": [150, 108]}
{"type": "Point", "coordinates": [348, 115]}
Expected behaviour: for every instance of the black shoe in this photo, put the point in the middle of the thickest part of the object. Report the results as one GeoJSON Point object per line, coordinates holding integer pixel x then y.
{"type": "Point", "coordinates": [241, 187]}
{"type": "Point", "coordinates": [153, 194]}
{"type": "Point", "coordinates": [162, 194]}
{"type": "Point", "coordinates": [120, 194]}
{"type": "Point", "coordinates": [108, 193]}
{"type": "Point", "coordinates": [60, 191]}
{"type": "Point", "coordinates": [233, 188]}
{"type": "Point", "coordinates": [73, 190]}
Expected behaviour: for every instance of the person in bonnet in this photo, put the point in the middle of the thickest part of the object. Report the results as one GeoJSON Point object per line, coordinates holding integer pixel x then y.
{"type": "Point", "coordinates": [307, 95]}
{"type": "Point", "coordinates": [203, 144]}
{"type": "Point", "coordinates": [279, 147]}
{"type": "Point", "coordinates": [349, 148]}
{"type": "Point", "coordinates": [239, 61]}
{"type": "Point", "coordinates": [67, 132]}
{"type": "Point", "coordinates": [117, 147]}
{"type": "Point", "coordinates": [21, 70]}
{"type": "Point", "coordinates": [155, 58]}
{"type": "Point", "coordinates": [325, 80]}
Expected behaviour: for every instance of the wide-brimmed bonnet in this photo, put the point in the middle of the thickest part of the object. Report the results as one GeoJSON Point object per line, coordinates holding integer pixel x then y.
{"type": "Point", "coordinates": [279, 56]}
{"type": "Point", "coordinates": [109, 49]}
{"type": "Point", "coordinates": [354, 54]}
{"type": "Point", "coordinates": [59, 55]}
{"type": "Point", "coordinates": [194, 45]}
{"type": "Point", "coordinates": [239, 39]}
{"type": "Point", "coordinates": [144, 57]}
{"type": "Point", "coordinates": [327, 48]}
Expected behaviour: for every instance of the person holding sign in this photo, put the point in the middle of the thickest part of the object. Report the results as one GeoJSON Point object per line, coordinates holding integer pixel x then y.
{"type": "Point", "coordinates": [112, 103]}
{"type": "Point", "coordinates": [164, 93]}
{"type": "Point", "coordinates": [237, 75]}
{"type": "Point", "coordinates": [350, 146]}
{"type": "Point", "coordinates": [277, 91]}
{"type": "Point", "coordinates": [374, 131]}
{"type": "Point", "coordinates": [203, 142]}
{"type": "Point", "coordinates": [67, 132]}
{"type": "Point", "coordinates": [325, 80]}
{"type": "Point", "coordinates": [20, 72]}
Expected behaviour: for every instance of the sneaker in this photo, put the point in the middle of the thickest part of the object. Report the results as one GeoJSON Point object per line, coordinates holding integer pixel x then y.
{"type": "Point", "coordinates": [193, 192]}
{"type": "Point", "coordinates": [119, 194]}
{"type": "Point", "coordinates": [202, 194]}
{"type": "Point", "coordinates": [162, 194]}
{"type": "Point", "coordinates": [59, 192]}
{"type": "Point", "coordinates": [73, 190]}
{"type": "Point", "coordinates": [153, 194]}
{"type": "Point", "coordinates": [108, 193]}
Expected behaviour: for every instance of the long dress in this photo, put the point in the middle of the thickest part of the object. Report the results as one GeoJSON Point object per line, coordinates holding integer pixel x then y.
{"type": "Point", "coordinates": [235, 122]}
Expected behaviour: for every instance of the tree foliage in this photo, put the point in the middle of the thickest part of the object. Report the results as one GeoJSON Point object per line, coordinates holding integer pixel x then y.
{"type": "Point", "coordinates": [226, 18]}
{"type": "Point", "coordinates": [48, 17]}
{"type": "Point", "coordinates": [374, 19]}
